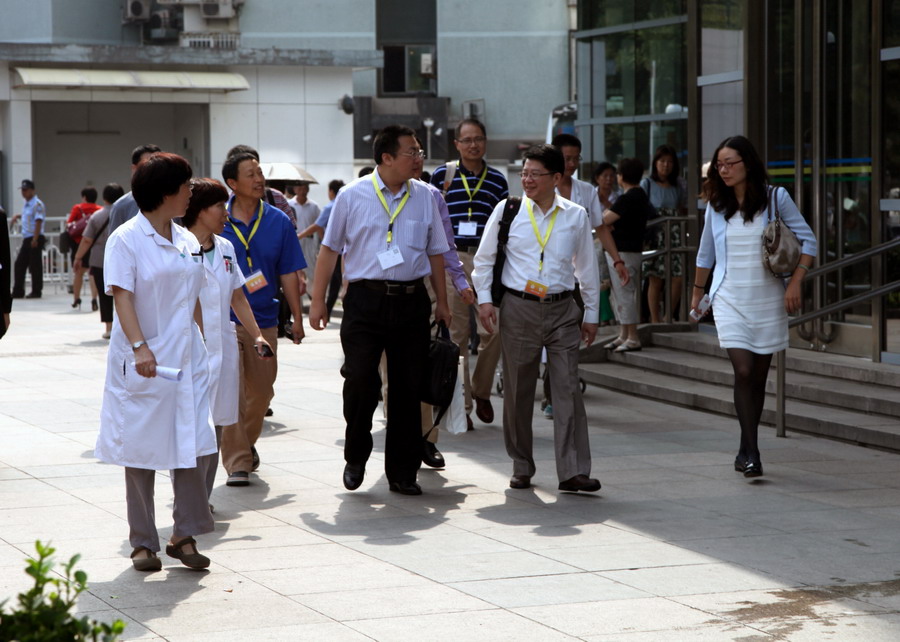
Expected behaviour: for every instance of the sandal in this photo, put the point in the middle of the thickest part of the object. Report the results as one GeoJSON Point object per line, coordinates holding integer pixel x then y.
{"type": "Point", "coordinates": [191, 560]}
{"type": "Point", "coordinates": [629, 346]}
{"type": "Point", "coordinates": [149, 563]}
{"type": "Point", "coordinates": [615, 343]}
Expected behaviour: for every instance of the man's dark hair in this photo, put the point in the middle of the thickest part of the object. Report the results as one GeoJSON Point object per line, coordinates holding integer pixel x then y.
{"type": "Point", "coordinates": [205, 192]}
{"type": "Point", "coordinates": [548, 156]}
{"type": "Point", "coordinates": [365, 171]}
{"type": "Point", "coordinates": [665, 150]}
{"type": "Point", "coordinates": [387, 141]}
{"type": "Point", "coordinates": [631, 170]}
{"type": "Point", "coordinates": [469, 121]}
{"type": "Point", "coordinates": [159, 176]}
{"type": "Point", "coordinates": [566, 140]}
{"type": "Point", "coordinates": [113, 192]}
{"type": "Point", "coordinates": [140, 150]}
{"type": "Point", "coordinates": [243, 149]}
{"type": "Point", "coordinates": [335, 185]}
{"type": "Point", "coordinates": [230, 167]}
{"type": "Point", "coordinates": [89, 194]}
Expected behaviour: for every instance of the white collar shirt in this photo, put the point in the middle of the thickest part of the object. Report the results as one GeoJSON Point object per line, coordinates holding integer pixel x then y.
{"type": "Point", "coordinates": [358, 227]}
{"type": "Point", "coordinates": [585, 194]}
{"type": "Point", "coordinates": [568, 255]}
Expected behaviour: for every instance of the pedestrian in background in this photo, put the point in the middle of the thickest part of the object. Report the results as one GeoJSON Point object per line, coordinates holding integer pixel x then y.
{"type": "Point", "coordinates": [75, 226]}
{"type": "Point", "coordinates": [30, 257]}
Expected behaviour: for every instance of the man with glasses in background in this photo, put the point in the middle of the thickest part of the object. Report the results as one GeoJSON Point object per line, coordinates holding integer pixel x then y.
{"type": "Point", "coordinates": [548, 249]}
{"type": "Point", "coordinates": [388, 227]}
{"type": "Point", "coordinates": [472, 190]}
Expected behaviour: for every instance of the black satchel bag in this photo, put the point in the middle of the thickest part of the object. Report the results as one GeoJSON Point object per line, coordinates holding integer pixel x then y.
{"type": "Point", "coordinates": [513, 203]}
{"type": "Point", "coordinates": [440, 373]}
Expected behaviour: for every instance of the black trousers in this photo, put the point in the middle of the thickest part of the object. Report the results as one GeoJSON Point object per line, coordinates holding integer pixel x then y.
{"type": "Point", "coordinates": [373, 323]}
{"type": "Point", "coordinates": [106, 301]}
{"type": "Point", "coordinates": [29, 259]}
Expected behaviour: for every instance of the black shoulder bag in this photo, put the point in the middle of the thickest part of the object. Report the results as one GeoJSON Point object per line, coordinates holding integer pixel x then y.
{"type": "Point", "coordinates": [513, 203]}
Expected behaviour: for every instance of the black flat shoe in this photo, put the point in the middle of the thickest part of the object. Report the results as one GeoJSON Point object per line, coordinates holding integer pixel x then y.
{"type": "Point", "coordinates": [753, 469]}
{"type": "Point", "coordinates": [431, 455]}
{"type": "Point", "coordinates": [406, 488]}
{"type": "Point", "coordinates": [354, 475]}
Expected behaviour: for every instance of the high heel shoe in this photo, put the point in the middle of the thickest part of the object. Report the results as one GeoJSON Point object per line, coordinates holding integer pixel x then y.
{"type": "Point", "coordinates": [94, 306]}
{"type": "Point", "coordinates": [740, 463]}
{"type": "Point", "coordinates": [76, 304]}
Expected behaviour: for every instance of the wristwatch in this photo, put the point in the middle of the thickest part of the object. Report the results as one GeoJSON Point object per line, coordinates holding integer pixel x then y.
{"type": "Point", "coordinates": [138, 344]}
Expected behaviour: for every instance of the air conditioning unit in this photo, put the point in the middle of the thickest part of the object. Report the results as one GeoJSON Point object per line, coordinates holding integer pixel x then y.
{"type": "Point", "coordinates": [137, 10]}
{"type": "Point", "coordinates": [217, 9]}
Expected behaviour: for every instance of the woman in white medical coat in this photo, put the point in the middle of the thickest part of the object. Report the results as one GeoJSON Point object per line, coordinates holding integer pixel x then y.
{"type": "Point", "coordinates": [154, 271]}
{"type": "Point", "coordinates": [205, 218]}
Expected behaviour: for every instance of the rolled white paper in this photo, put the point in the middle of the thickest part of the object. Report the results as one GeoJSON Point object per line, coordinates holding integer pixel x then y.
{"type": "Point", "coordinates": [172, 374]}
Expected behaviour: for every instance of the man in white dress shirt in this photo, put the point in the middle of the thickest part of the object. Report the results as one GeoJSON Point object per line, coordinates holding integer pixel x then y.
{"type": "Point", "coordinates": [548, 249]}
{"type": "Point", "coordinates": [391, 235]}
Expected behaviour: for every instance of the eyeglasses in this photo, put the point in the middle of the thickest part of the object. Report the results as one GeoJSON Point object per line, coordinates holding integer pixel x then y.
{"type": "Point", "coordinates": [726, 165]}
{"type": "Point", "coordinates": [413, 153]}
{"type": "Point", "coordinates": [478, 140]}
{"type": "Point", "coordinates": [528, 175]}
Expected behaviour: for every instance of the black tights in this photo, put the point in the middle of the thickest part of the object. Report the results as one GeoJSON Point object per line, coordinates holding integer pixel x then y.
{"type": "Point", "coordinates": [750, 373]}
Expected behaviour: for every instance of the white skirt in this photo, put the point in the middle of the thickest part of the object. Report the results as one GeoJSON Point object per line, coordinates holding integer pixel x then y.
{"type": "Point", "coordinates": [749, 305]}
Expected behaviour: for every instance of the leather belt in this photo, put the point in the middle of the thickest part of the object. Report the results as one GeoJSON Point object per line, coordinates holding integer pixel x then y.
{"type": "Point", "coordinates": [393, 288]}
{"type": "Point", "coordinates": [550, 298]}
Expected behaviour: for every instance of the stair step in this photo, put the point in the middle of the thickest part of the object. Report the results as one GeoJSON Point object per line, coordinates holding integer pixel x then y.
{"type": "Point", "coordinates": [836, 423]}
{"type": "Point", "coordinates": [830, 365]}
{"type": "Point", "coordinates": [800, 385]}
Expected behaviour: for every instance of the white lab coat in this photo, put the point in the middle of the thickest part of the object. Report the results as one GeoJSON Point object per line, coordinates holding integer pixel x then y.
{"type": "Point", "coordinates": [154, 423]}
{"type": "Point", "coordinates": [223, 277]}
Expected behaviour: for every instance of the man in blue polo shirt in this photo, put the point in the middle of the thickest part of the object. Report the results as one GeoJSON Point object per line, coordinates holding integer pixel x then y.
{"type": "Point", "coordinates": [269, 254]}
{"type": "Point", "coordinates": [472, 190]}
{"type": "Point", "coordinates": [29, 258]}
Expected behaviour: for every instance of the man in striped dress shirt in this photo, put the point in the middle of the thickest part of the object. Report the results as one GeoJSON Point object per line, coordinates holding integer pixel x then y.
{"type": "Point", "coordinates": [389, 230]}
{"type": "Point", "coordinates": [472, 192]}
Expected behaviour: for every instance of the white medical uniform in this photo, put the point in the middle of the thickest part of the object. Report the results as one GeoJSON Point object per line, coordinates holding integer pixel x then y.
{"type": "Point", "coordinates": [154, 423]}
{"type": "Point", "coordinates": [223, 277]}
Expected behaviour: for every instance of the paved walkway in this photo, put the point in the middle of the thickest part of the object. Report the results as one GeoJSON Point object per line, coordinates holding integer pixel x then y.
{"type": "Point", "coordinates": [677, 546]}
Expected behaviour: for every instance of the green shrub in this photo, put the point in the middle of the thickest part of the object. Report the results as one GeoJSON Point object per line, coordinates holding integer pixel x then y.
{"type": "Point", "coordinates": [44, 613]}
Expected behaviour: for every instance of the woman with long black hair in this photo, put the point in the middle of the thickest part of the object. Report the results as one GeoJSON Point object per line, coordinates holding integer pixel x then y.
{"type": "Point", "coordinates": [751, 304]}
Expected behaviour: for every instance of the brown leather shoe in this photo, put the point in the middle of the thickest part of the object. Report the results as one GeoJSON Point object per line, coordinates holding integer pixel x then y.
{"type": "Point", "coordinates": [580, 482]}
{"type": "Point", "coordinates": [484, 410]}
{"type": "Point", "coordinates": [192, 560]}
{"type": "Point", "coordinates": [520, 481]}
{"type": "Point", "coordinates": [149, 563]}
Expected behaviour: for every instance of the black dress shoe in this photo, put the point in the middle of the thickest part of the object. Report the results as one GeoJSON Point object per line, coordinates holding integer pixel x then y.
{"type": "Point", "coordinates": [580, 482]}
{"type": "Point", "coordinates": [353, 475]}
{"type": "Point", "coordinates": [431, 455]}
{"type": "Point", "coordinates": [33, 295]}
{"type": "Point", "coordinates": [753, 469]}
{"type": "Point", "coordinates": [469, 424]}
{"type": "Point", "coordinates": [520, 481]}
{"type": "Point", "coordinates": [484, 410]}
{"type": "Point", "coordinates": [405, 488]}
{"type": "Point", "coordinates": [740, 463]}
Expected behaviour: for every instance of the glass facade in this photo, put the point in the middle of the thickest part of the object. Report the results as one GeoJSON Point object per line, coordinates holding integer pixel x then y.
{"type": "Point", "coordinates": [794, 77]}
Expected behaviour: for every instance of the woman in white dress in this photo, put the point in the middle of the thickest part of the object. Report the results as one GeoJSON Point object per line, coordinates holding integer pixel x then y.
{"type": "Point", "coordinates": [205, 218]}
{"type": "Point", "coordinates": [153, 269]}
{"type": "Point", "coordinates": [751, 305]}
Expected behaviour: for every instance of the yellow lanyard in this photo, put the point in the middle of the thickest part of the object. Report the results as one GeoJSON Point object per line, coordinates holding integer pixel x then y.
{"type": "Point", "coordinates": [246, 242]}
{"type": "Point", "coordinates": [465, 183]}
{"type": "Point", "coordinates": [541, 241]}
{"type": "Point", "coordinates": [387, 209]}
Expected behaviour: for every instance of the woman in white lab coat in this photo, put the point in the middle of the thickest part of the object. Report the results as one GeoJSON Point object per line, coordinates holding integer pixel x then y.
{"type": "Point", "coordinates": [153, 269]}
{"type": "Point", "coordinates": [205, 218]}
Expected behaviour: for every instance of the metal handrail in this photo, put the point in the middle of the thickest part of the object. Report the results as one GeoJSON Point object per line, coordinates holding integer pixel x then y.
{"type": "Point", "coordinates": [781, 357]}
{"type": "Point", "coordinates": [667, 251]}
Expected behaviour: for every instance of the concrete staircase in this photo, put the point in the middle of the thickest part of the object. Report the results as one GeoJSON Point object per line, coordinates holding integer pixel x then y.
{"type": "Point", "coordinates": [835, 396]}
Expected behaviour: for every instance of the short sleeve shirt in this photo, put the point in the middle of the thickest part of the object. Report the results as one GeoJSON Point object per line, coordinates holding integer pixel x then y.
{"type": "Point", "coordinates": [634, 210]}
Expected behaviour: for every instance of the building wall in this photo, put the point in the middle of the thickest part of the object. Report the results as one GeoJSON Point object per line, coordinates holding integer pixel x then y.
{"type": "Point", "coordinates": [515, 56]}
{"type": "Point", "coordinates": [97, 22]}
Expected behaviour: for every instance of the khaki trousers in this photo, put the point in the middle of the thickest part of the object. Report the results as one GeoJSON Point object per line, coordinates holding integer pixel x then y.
{"type": "Point", "coordinates": [481, 381]}
{"type": "Point", "coordinates": [525, 328]}
{"type": "Point", "coordinates": [190, 513]}
{"type": "Point", "coordinates": [256, 391]}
